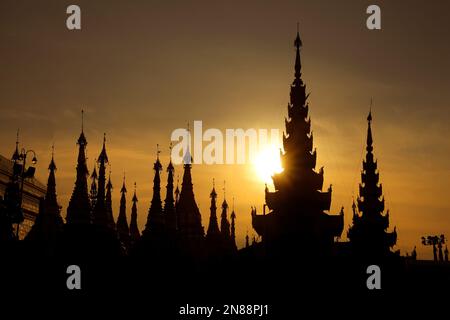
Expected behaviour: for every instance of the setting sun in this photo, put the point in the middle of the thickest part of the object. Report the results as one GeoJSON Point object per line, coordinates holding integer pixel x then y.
{"type": "Point", "coordinates": [267, 163]}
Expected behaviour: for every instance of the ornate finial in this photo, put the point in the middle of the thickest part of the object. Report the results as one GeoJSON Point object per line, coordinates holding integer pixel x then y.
{"type": "Point", "coordinates": [104, 138]}
{"type": "Point", "coordinates": [124, 189]}
{"type": "Point", "coordinates": [298, 41]}
{"type": "Point", "coordinates": [369, 147]}
{"type": "Point", "coordinates": [369, 117]}
{"type": "Point", "coordinates": [224, 191]}
{"type": "Point", "coordinates": [214, 183]}
{"type": "Point", "coordinates": [52, 165]}
{"type": "Point", "coordinates": [157, 151]}
{"type": "Point", "coordinates": [82, 120]}
{"type": "Point", "coordinates": [298, 65]}
{"type": "Point", "coordinates": [16, 155]}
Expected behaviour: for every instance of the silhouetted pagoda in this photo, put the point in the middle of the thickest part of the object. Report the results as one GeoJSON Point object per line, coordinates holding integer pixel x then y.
{"type": "Point", "coordinates": [49, 223]}
{"type": "Point", "coordinates": [79, 209]}
{"type": "Point", "coordinates": [123, 231]}
{"type": "Point", "coordinates": [213, 235]}
{"type": "Point", "coordinates": [368, 236]}
{"type": "Point", "coordinates": [86, 236]}
{"type": "Point", "coordinates": [298, 217]}
{"type": "Point", "coordinates": [100, 211]}
{"type": "Point", "coordinates": [190, 229]}
{"type": "Point", "coordinates": [169, 203]}
{"type": "Point", "coordinates": [155, 218]}
{"type": "Point", "coordinates": [134, 230]}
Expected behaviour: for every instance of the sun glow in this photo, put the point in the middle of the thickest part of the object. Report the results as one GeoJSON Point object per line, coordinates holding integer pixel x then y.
{"type": "Point", "coordinates": [267, 162]}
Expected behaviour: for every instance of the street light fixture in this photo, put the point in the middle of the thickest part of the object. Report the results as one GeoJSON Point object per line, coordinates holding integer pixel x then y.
{"type": "Point", "coordinates": [23, 174]}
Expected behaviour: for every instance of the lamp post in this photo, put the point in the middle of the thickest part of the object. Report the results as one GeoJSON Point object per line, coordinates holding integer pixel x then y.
{"type": "Point", "coordinates": [23, 174]}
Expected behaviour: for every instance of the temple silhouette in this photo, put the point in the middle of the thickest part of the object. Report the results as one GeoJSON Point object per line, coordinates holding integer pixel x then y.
{"type": "Point", "coordinates": [298, 217]}
{"type": "Point", "coordinates": [297, 227]}
{"type": "Point", "coordinates": [368, 235]}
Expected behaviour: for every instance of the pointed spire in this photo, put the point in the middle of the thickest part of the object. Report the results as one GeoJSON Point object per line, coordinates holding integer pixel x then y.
{"type": "Point", "coordinates": [224, 223]}
{"type": "Point", "coordinates": [123, 189]}
{"type": "Point", "coordinates": [16, 154]}
{"type": "Point", "coordinates": [103, 156]}
{"type": "Point", "coordinates": [369, 147]}
{"type": "Point", "coordinates": [52, 166]}
{"type": "Point", "coordinates": [298, 65]}
{"type": "Point", "coordinates": [189, 218]}
{"type": "Point", "coordinates": [213, 227]}
{"type": "Point", "coordinates": [169, 202]}
{"type": "Point", "coordinates": [368, 234]}
{"type": "Point", "coordinates": [134, 230]}
{"type": "Point", "coordinates": [79, 208]}
{"type": "Point", "coordinates": [135, 199]}
{"type": "Point", "coordinates": [49, 223]}
{"type": "Point", "coordinates": [155, 218]}
{"type": "Point", "coordinates": [100, 210]}
{"type": "Point", "coordinates": [82, 139]}
{"type": "Point", "coordinates": [123, 231]}
{"type": "Point", "coordinates": [50, 197]}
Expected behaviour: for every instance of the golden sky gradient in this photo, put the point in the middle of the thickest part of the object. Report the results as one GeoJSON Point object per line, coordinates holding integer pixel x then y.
{"type": "Point", "coordinates": [141, 69]}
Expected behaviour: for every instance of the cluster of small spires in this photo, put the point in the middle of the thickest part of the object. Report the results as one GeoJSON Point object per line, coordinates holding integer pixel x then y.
{"type": "Point", "coordinates": [179, 213]}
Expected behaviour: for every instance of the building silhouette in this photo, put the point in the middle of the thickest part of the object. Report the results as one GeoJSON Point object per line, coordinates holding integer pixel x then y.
{"type": "Point", "coordinates": [100, 211]}
{"type": "Point", "coordinates": [33, 191]}
{"type": "Point", "coordinates": [123, 231]}
{"type": "Point", "coordinates": [368, 235]}
{"type": "Point", "coordinates": [134, 230]}
{"type": "Point", "coordinates": [173, 247]}
{"type": "Point", "coordinates": [297, 221]}
{"type": "Point", "coordinates": [79, 208]}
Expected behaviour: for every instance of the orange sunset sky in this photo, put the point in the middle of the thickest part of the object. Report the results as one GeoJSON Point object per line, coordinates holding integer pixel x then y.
{"type": "Point", "coordinates": [141, 69]}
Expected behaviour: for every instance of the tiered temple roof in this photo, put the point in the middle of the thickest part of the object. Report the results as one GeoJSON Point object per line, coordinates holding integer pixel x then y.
{"type": "Point", "coordinates": [368, 234]}
{"type": "Point", "coordinates": [298, 205]}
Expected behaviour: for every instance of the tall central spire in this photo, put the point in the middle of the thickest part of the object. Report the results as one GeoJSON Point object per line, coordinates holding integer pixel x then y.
{"type": "Point", "coordinates": [79, 209]}
{"type": "Point", "coordinates": [298, 207]}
